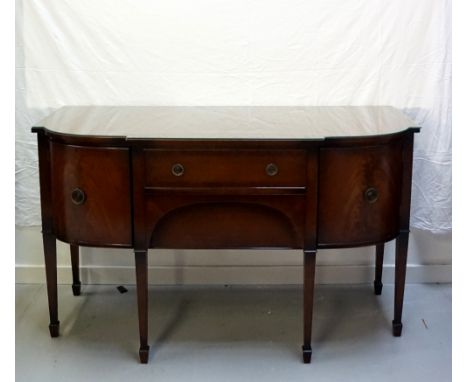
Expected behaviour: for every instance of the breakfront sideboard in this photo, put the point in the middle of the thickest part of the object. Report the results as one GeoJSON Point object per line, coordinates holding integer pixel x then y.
{"type": "Point", "coordinates": [306, 178]}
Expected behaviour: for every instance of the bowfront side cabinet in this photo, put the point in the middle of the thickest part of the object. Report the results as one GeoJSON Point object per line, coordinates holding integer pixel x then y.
{"type": "Point", "coordinates": [217, 177]}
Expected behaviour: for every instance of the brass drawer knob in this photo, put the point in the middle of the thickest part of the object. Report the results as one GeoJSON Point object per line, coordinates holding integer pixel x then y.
{"type": "Point", "coordinates": [178, 169]}
{"type": "Point", "coordinates": [271, 169]}
{"type": "Point", "coordinates": [371, 195]}
{"type": "Point", "coordinates": [78, 196]}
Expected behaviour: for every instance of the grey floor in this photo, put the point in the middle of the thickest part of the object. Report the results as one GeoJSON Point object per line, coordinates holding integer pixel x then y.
{"type": "Point", "coordinates": [235, 334]}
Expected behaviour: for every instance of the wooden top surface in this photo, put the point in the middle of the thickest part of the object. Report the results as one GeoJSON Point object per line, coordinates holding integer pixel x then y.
{"type": "Point", "coordinates": [227, 122]}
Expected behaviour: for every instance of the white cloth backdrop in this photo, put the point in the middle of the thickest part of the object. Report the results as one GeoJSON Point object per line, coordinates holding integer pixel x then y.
{"type": "Point", "coordinates": [242, 52]}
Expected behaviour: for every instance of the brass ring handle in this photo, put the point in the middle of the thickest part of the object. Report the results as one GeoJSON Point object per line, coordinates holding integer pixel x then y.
{"type": "Point", "coordinates": [78, 196]}
{"type": "Point", "coordinates": [178, 169]}
{"type": "Point", "coordinates": [371, 195]}
{"type": "Point", "coordinates": [271, 169]}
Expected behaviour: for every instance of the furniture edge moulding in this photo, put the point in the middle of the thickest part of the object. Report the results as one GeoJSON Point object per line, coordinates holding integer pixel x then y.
{"type": "Point", "coordinates": [81, 139]}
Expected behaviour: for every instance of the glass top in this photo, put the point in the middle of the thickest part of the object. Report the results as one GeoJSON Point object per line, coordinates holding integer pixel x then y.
{"type": "Point", "coordinates": [227, 122]}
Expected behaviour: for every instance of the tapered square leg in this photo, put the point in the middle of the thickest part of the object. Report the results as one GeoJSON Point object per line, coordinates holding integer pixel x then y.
{"type": "Point", "coordinates": [141, 266]}
{"type": "Point", "coordinates": [75, 263]}
{"type": "Point", "coordinates": [50, 260]}
{"type": "Point", "coordinates": [309, 283]}
{"type": "Point", "coordinates": [400, 275]}
{"type": "Point", "coordinates": [379, 256]}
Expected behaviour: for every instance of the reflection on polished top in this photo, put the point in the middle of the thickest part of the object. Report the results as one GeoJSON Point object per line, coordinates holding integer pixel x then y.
{"type": "Point", "coordinates": [227, 122]}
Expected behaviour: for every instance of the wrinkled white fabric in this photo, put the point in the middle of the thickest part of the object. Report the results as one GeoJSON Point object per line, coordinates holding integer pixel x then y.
{"type": "Point", "coordinates": [247, 52]}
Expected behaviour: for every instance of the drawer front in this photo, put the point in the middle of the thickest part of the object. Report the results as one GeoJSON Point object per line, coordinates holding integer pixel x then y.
{"type": "Point", "coordinates": [359, 195]}
{"type": "Point", "coordinates": [91, 195]}
{"type": "Point", "coordinates": [249, 168]}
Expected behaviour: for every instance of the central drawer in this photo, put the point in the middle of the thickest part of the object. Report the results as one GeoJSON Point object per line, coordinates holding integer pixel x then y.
{"type": "Point", "coordinates": [206, 168]}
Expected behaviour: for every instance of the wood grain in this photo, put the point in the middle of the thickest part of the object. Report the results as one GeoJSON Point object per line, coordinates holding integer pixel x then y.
{"type": "Point", "coordinates": [211, 168]}
{"type": "Point", "coordinates": [104, 176]}
{"type": "Point", "coordinates": [345, 216]}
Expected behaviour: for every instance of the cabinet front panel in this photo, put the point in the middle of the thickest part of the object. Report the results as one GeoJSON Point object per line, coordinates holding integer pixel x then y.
{"type": "Point", "coordinates": [204, 168]}
{"type": "Point", "coordinates": [91, 195]}
{"type": "Point", "coordinates": [204, 222]}
{"type": "Point", "coordinates": [359, 195]}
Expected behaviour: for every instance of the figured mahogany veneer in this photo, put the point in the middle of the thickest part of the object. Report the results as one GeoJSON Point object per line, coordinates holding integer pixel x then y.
{"type": "Point", "coordinates": [201, 222]}
{"type": "Point", "coordinates": [104, 217]}
{"type": "Point", "coordinates": [226, 177]}
{"type": "Point", "coordinates": [346, 214]}
{"type": "Point", "coordinates": [211, 168]}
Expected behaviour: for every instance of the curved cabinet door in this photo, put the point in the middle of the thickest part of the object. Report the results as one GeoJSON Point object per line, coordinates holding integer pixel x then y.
{"type": "Point", "coordinates": [91, 195]}
{"type": "Point", "coordinates": [359, 194]}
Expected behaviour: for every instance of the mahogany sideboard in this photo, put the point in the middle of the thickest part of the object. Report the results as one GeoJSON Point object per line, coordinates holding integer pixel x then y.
{"type": "Point", "coordinates": [307, 178]}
